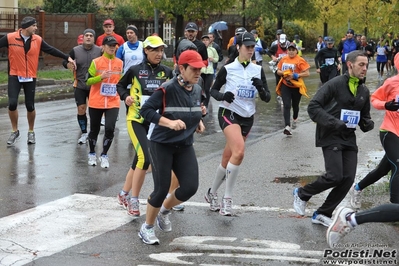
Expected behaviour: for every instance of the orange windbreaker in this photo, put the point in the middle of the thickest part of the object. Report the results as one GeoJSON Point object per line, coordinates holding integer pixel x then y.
{"type": "Point", "coordinates": [99, 65]}
{"type": "Point", "coordinates": [21, 63]}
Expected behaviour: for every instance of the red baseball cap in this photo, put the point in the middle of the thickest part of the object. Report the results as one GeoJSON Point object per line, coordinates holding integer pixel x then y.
{"type": "Point", "coordinates": [108, 22]}
{"type": "Point", "coordinates": [80, 39]}
{"type": "Point", "coordinates": [192, 58]}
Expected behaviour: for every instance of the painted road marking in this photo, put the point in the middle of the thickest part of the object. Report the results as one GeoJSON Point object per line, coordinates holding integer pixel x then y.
{"type": "Point", "coordinates": [57, 225]}
{"type": "Point", "coordinates": [63, 223]}
{"type": "Point", "coordinates": [242, 249]}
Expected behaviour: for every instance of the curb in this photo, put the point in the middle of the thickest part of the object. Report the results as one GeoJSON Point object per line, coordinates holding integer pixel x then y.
{"type": "Point", "coordinates": [46, 89]}
{"type": "Point", "coordinates": [43, 82]}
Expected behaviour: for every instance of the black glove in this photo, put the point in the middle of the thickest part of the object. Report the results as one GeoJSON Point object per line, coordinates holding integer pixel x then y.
{"type": "Point", "coordinates": [257, 83]}
{"type": "Point", "coordinates": [392, 105]}
{"type": "Point", "coordinates": [340, 125]}
{"type": "Point", "coordinates": [366, 125]}
{"type": "Point", "coordinates": [263, 93]}
{"type": "Point", "coordinates": [228, 96]}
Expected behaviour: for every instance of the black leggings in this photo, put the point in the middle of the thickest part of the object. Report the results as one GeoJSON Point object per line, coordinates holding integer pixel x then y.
{"type": "Point", "coordinates": [183, 162]}
{"type": "Point", "coordinates": [327, 73]}
{"type": "Point", "coordinates": [383, 213]}
{"type": "Point", "coordinates": [291, 97]}
{"type": "Point", "coordinates": [340, 163]}
{"type": "Point", "coordinates": [14, 88]}
{"type": "Point", "coordinates": [390, 142]}
{"type": "Point", "coordinates": [381, 170]}
{"type": "Point", "coordinates": [380, 66]}
{"type": "Point", "coordinates": [95, 125]}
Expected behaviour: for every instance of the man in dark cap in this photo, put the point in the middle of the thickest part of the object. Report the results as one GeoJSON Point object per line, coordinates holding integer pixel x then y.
{"type": "Point", "coordinates": [24, 48]}
{"type": "Point", "coordinates": [190, 33]}
{"type": "Point", "coordinates": [233, 40]}
{"type": "Point", "coordinates": [83, 55]}
{"type": "Point", "coordinates": [345, 47]}
{"type": "Point", "coordinates": [278, 33]}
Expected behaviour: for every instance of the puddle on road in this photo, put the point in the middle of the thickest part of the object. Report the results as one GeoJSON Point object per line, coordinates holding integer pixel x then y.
{"type": "Point", "coordinates": [302, 180]}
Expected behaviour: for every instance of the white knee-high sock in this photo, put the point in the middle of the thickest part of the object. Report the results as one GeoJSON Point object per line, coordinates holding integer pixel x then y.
{"type": "Point", "coordinates": [231, 177]}
{"type": "Point", "coordinates": [220, 176]}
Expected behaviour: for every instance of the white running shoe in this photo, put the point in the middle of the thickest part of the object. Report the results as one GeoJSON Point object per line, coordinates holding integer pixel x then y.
{"type": "Point", "coordinates": [92, 159]}
{"type": "Point", "coordinates": [355, 197]}
{"type": "Point", "coordinates": [294, 123]}
{"type": "Point", "coordinates": [212, 199]}
{"type": "Point", "coordinates": [83, 138]}
{"type": "Point", "coordinates": [226, 206]}
{"type": "Point", "coordinates": [318, 218]}
{"type": "Point", "coordinates": [339, 226]}
{"type": "Point", "coordinates": [287, 131]}
{"type": "Point", "coordinates": [13, 138]}
{"type": "Point", "coordinates": [147, 235]}
{"type": "Point", "coordinates": [178, 208]}
{"type": "Point", "coordinates": [31, 138]}
{"type": "Point", "coordinates": [299, 205]}
{"type": "Point", "coordinates": [104, 161]}
{"type": "Point", "coordinates": [163, 222]}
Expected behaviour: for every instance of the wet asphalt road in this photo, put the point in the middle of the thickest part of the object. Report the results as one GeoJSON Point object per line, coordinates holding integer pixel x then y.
{"type": "Point", "coordinates": [263, 231]}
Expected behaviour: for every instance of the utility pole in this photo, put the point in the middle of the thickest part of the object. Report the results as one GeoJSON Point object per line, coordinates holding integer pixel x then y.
{"type": "Point", "coordinates": [243, 17]}
{"type": "Point", "coordinates": [156, 21]}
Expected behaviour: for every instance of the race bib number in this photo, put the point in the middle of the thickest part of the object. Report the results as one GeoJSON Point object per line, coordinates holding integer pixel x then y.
{"type": "Point", "coordinates": [351, 117]}
{"type": "Point", "coordinates": [108, 89]}
{"type": "Point", "coordinates": [244, 92]}
{"type": "Point", "coordinates": [23, 79]}
{"type": "Point", "coordinates": [329, 61]}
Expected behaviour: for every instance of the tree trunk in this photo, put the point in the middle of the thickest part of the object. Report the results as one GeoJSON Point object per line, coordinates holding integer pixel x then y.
{"type": "Point", "coordinates": [179, 27]}
{"type": "Point", "coordinates": [325, 29]}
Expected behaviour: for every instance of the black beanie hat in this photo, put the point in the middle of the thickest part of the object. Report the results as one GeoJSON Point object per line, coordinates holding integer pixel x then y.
{"type": "Point", "coordinates": [27, 22]}
{"type": "Point", "coordinates": [133, 28]}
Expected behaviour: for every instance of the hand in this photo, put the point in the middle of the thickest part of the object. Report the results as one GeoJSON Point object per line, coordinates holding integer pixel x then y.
{"type": "Point", "coordinates": [200, 128]}
{"type": "Point", "coordinates": [106, 74]}
{"type": "Point", "coordinates": [129, 100]}
{"type": "Point", "coordinates": [71, 66]}
{"type": "Point", "coordinates": [228, 97]}
{"type": "Point", "coordinates": [264, 94]}
{"type": "Point", "coordinates": [340, 125]}
{"type": "Point", "coordinates": [392, 105]}
{"type": "Point", "coordinates": [203, 110]}
{"type": "Point", "coordinates": [70, 60]}
{"type": "Point", "coordinates": [257, 83]}
{"type": "Point", "coordinates": [177, 125]}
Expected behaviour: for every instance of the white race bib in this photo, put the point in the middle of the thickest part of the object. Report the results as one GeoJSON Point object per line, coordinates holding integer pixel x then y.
{"type": "Point", "coordinates": [23, 79]}
{"type": "Point", "coordinates": [329, 61]}
{"type": "Point", "coordinates": [351, 117]}
{"type": "Point", "coordinates": [108, 89]}
{"type": "Point", "coordinates": [244, 92]}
